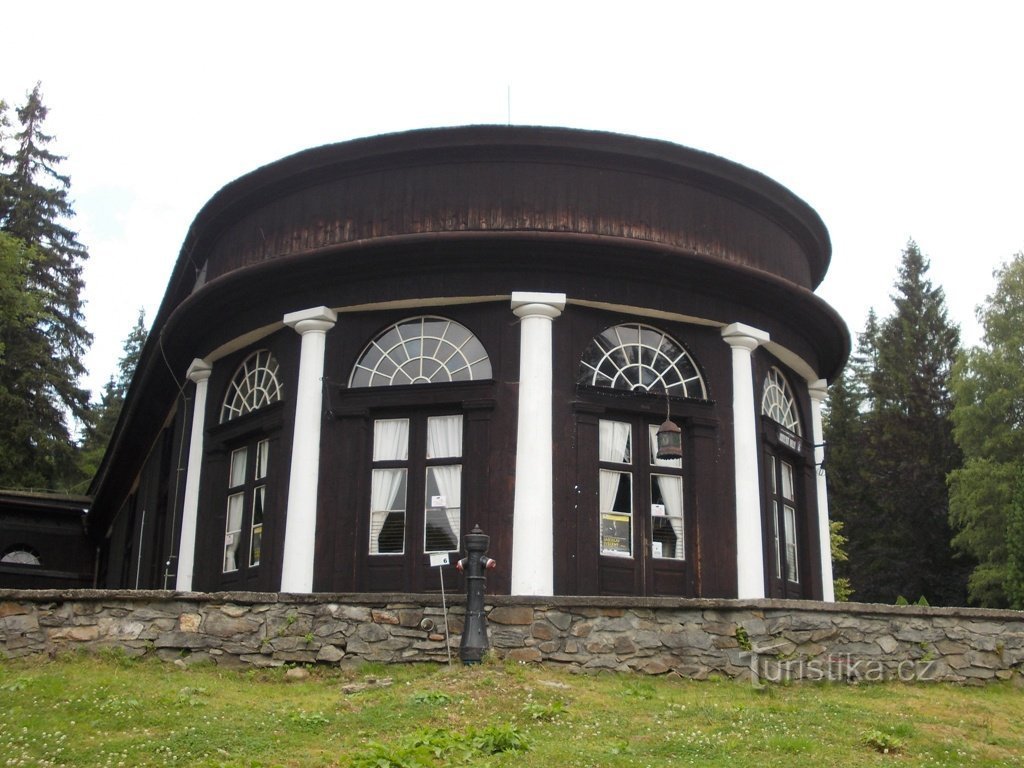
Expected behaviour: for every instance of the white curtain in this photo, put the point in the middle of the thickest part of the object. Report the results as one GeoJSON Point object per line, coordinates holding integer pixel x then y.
{"type": "Point", "coordinates": [390, 439]}
{"type": "Point", "coordinates": [444, 437]}
{"type": "Point", "coordinates": [613, 446]}
{"type": "Point", "coordinates": [444, 440]}
{"type": "Point", "coordinates": [614, 441]}
{"type": "Point", "coordinates": [672, 494]}
{"type": "Point", "coordinates": [390, 443]}
{"type": "Point", "coordinates": [233, 531]}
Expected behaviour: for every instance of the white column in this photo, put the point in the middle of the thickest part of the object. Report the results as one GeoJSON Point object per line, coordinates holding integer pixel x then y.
{"type": "Point", "coordinates": [199, 372]}
{"type": "Point", "coordinates": [749, 545]}
{"type": "Point", "coordinates": [818, 389]}
{"type": "Point", "coordinates": [300, 524]}
{"type": "Point", "coordinates": [533, 547]}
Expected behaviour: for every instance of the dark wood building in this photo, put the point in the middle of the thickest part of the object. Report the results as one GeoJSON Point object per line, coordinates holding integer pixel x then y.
{"type": "Point", "coordinates": [367, 348]}
{"type": "Point", "coordinates": [43, 543]}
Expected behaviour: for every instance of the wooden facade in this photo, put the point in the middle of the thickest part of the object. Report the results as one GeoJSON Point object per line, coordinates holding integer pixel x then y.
{"type": "Point", "coordinates": [454, 224]}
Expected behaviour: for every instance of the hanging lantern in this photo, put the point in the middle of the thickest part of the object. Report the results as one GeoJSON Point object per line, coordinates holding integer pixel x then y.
{"type": "Point", "coordinates": [670, 440]}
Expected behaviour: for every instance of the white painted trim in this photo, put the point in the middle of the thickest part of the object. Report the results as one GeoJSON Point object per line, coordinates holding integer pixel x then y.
{"type": "Point", "coordinates": [199, 372]}
{"type": "Point", "coordinates": [300, 521]}
{"type": "Point", "coordinates": [749, 542]}
{"type": "Point", "coordinates": [532, 522]}
{"type": "Point", "coordinates": [818, 391]}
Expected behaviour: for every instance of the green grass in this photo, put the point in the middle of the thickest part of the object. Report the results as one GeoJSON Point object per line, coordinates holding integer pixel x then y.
{"type": "Point", "coordinates": [110, 711]}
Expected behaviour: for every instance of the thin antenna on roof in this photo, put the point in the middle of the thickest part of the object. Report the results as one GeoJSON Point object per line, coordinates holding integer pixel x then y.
{"type": "Point", "coordinates": [508, 103]}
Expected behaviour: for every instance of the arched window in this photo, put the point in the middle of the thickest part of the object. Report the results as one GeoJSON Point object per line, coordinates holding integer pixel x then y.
{"type": "Point", "coordinates": [21, 554]}
{"type": "Point", "coordinates": [415, 455]}
{"type": "Point", "coordinates": [638, 525]}
{"type": "Point", "coordinates": [778, 403]}
{"type": "Point", "coordinates": [783, 471]}
{"type": "Point", "coordinates": [637, 357]}
{"type": "Point", "coordinates": [421, 350]}
{"type": "Point", "coordinates": [251, 459]}
{"type": "Point", "coordinates": [254, 385]}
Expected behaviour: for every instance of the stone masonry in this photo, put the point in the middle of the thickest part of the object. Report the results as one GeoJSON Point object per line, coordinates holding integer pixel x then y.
{"type": "Point", "coordinates": [762, 640]}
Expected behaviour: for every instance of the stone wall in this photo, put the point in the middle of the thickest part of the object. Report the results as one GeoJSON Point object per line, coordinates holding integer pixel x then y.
{"type": "Point", "coordinates": [767, 640]}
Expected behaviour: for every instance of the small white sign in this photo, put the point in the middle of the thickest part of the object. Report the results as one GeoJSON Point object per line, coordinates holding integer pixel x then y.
{"type": "Point", "coordinates": [439, 501]}
{"type": "Point", "coordinates": [436, 561]}
{"type": "Point", "coordinates": [656, 548]}
{"type": "Point", "coordinates": [658, 510]}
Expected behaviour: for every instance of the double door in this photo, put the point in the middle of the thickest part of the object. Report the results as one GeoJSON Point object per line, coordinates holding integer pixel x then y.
{"type": "Point", "coordinates": [415, 500]}
{"type": "Point", "coordinates": [641, 537]}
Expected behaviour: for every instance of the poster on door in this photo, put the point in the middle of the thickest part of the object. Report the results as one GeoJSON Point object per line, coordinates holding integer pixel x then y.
{"type": "Point", "coordinates": [615, 534]}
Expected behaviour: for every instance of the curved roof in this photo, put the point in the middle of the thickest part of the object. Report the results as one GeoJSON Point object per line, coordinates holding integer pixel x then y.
{"type": "Point", "coordinates": [424, 203]}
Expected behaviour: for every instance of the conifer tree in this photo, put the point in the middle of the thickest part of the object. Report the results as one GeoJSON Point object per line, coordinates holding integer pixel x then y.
{"type": "Point", "coordinates": [34, 211]}
{"type": "Point", "coordinates": [987, 493]}
{"type": "Point", "coordinates": [108, 410]}
{"type": "Point", "coordinates": [889, 476]}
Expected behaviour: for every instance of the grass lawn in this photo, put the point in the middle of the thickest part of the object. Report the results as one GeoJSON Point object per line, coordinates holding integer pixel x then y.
{"type": "Point", "coordinates": [111, 711]}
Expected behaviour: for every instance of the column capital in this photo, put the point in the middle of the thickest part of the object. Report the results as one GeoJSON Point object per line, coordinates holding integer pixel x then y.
{"type": "Point", "coordinates": [527, 304]}
{"type": "Point", "coordinates": [744, 336]}
{"type": "Point", "coordinates": [199, 370]}
{"type": "Point", "coordinates": [319, 319]}
{"type": "Point", "coordinates": [818, 390]}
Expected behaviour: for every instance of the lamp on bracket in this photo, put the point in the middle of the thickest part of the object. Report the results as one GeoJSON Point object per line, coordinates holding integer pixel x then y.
{"type": "Point", "coordinates": [669, 435]}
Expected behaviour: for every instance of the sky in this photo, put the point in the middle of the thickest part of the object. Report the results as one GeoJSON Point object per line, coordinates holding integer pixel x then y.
{"type": "Point", "coordinates": [893, 120]}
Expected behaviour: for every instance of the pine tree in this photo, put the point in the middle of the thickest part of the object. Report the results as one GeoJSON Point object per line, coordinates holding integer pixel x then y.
{"type": "Point", "coordinates": [34, 207]}
{"type": "Point", "coordinates": [891, 414]}
{"type": "Point", "coordinates": [986, 493]}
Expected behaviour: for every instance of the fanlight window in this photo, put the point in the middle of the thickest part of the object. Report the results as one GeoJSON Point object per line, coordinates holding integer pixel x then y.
{"type": "Point", "coordinates": [21, 555]}
{"type": "Point", "coordinates": [638, 357]}
{"type": "Point", "coordinates": [778, 403]}
{"type": "Point", "coordinates": [254, 386]}
{"type": "Point", "coordinates": [421, 350]}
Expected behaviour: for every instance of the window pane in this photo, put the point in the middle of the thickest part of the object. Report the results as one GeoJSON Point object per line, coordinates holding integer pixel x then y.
{"type": "Point", "coordinates": [387, 533]}
{"type": "Point", "coordinates": [20, 557]}
{"type": "Point", "coordinates": [792, 567]}
{"type": "Point", "coordinates": [422, 350]}
{"type": "Point", "coordinates": [616, 513]}
{"type": "Point", "coordinates": [787, 480]}
{"type": "Point", "coordinates": [387, 511]}
{"type": "Point", "coordinates": [444, 437]}
{"type": "Point", "coordinates": [443, 508]}
{"type": "Point", "coordinates": [256, 539]}
{"type": "Point", "coordinates": [391, 440]}
{"type": "Point", "coordinates": [253, 386]}
{"type": "Point", "coordinates": [238, 462]}
{"type": "Point", "coordinates": [262, 452]}
{"type": "Point", "coordinates": [667, 517]}
{"type": "Point", "coordinates": [615, 442]}
{"type": "Point", "coordinates": [778, 544]}
{"type": "Point", "coordinates": [652, 431]}
{"type": "Point", "coordinates": [233, 531]}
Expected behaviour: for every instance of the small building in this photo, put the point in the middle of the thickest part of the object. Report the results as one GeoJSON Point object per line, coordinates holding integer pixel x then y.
{"type": "Point", "coordinates": [367, 348]}
{"type": "Point", "coordinates": [43, 543]}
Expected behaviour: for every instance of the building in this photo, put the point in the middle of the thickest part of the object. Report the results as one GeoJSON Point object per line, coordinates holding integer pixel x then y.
{"type": "Point", "coordinates": [43, 544]}
{"type": "Point", "coordinates": [367, 348]}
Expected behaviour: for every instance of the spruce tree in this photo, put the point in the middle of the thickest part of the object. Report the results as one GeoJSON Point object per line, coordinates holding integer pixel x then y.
{"type": "Point", "coordinates": [34, 210]}
{"type": "Point", "coordinates": [893, 419]}
{"type": "Point", "coordinates": [106, 413]}
{"type": "Point", "coordinates": [987, 493]}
